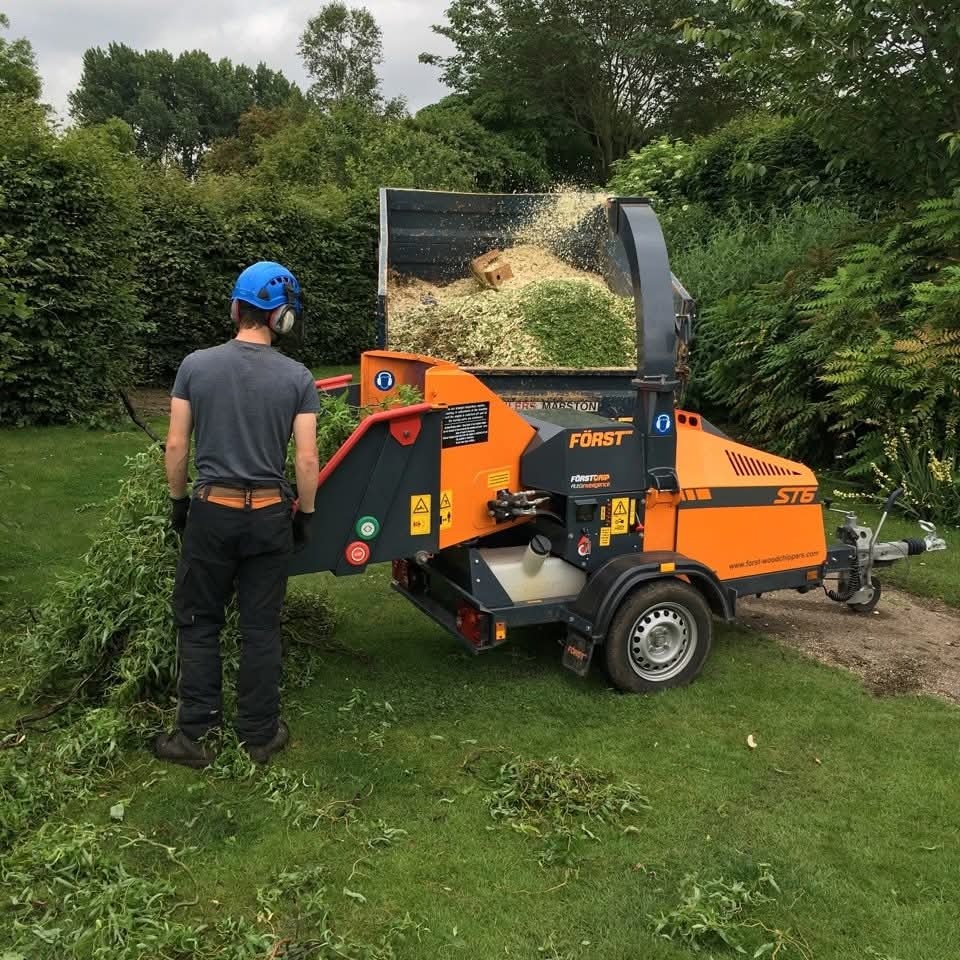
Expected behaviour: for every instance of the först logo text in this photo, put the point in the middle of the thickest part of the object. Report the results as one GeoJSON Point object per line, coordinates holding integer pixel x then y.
{"type": "Point", "coordinates": [598, 438]}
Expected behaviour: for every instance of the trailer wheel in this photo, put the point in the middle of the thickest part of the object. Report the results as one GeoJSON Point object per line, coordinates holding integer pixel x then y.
{"type": "Point", "coordinates": [659, 637]}
{"type": "Point", "coordinates": [868, 605]}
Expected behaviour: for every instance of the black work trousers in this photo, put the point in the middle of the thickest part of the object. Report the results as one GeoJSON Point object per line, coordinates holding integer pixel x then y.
{"type": "Point", "coordinates": [226, 549]}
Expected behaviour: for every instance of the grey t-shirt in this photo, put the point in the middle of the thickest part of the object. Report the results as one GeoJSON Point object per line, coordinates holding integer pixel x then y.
{"type": "Point", "coordinates": [243, 397]}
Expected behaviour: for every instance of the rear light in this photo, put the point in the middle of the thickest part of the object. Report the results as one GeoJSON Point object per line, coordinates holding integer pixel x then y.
{"type": "Point", "coordinates": [472, 625]}
{"type": "Point", "coordinates": [401, 573]}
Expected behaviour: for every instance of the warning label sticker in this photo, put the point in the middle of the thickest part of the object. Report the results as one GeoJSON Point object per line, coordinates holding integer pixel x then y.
{"type": "Point", "coordinates": [420, 514]}
{"type": "Point", "coordinates": [621, 515]}
{"type": "Point", "coordinates": [466, 423]}
{"type": "Point", "coordinates": [446, 509]}
{"type": "Point", "coordinates": [604, 536]}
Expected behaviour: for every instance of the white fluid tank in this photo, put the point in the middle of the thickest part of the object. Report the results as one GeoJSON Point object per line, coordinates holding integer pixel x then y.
{"type": "Point", "coordinates": [530, 573]}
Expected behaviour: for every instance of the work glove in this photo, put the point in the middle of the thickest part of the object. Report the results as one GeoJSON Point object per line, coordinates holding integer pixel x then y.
{"type": "Point", "coordinates": [301, 529]}
{"type": "Point", "coordinates": [179, 508]}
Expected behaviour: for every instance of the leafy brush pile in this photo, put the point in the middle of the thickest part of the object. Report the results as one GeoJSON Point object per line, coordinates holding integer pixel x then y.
{"type": "Point", "coordinates": [549, 322]}
{"type": "Point", "coordinates": [114, 611]}
{"type": "Point", "coordinates": [337, 419]}
{"type": "Point", "coordinates": [725, 915]}
{"type": "Point", "coordinates": [556, 791]}
{"type": "Point", "coordinates": [554, 800]}
{"type": "Point", "coordinates": [108, 627]}
{"type": "Point", "coordinates": [72, 896]}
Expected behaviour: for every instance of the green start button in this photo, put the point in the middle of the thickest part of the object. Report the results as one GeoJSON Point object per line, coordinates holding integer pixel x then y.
{"type": "Point", "coordinates": [368, 527]}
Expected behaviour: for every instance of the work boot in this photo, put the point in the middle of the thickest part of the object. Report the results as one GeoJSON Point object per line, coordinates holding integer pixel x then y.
{"type": "Point", "coordinates": [261, 753]}
{"type": "Point", "coordinates": [177, 747]}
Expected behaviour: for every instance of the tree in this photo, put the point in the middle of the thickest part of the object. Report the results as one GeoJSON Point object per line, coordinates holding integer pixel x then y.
{"type": "Point", "coordinates": [241, 151]}
{"type": "Point", "coordinates": [341, 48]}
{"type": "Point", "coordinates": [18, 67]}
{"type": "Point", "coordinates": [502, 162]}
{"type": "Point", "coordinates": [876, 80]}
{"type": "Point", "coordinates": [355, 149]}
{"type": "Point", "coordinates": [176, 106]}
{"type": "Point", "coordinates": [613, 70]}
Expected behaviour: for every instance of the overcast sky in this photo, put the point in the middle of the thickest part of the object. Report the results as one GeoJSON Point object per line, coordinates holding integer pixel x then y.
{"type": "Point", "coordinates": [246, 31]}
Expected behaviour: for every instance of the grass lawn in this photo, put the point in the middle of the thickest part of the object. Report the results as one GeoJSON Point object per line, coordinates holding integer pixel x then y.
{"type": "Point", "coordinates": [852, 800]}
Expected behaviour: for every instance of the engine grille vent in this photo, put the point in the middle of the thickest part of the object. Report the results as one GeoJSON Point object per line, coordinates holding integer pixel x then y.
{"type": "Point", "coordinates": [747, 466]}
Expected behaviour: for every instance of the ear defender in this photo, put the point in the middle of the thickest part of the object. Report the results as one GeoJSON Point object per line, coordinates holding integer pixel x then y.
{"type": "Point", "coordinates": [235, 311]}
{"type": "Point", "coordinates": [283, 318]}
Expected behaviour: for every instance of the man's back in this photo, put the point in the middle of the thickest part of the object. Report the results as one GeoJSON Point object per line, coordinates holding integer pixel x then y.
{"type": "Point", "coordinates": [244, 397]}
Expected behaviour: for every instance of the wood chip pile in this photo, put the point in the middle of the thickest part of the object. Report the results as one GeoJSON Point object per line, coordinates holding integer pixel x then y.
{"type": "Point", "coordinates": [525, 306]}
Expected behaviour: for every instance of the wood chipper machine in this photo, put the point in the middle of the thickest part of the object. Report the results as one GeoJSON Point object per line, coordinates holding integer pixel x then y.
{"type": "Point", "coordinates": [629, 524]}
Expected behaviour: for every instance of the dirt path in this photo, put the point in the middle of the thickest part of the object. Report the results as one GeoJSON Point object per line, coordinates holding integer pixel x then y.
{"type": "Point", "coordinates": [907, 645]}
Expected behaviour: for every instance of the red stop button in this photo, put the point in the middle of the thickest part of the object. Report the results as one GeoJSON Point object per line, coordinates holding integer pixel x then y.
{"type": "Point", "coordinates": [357, 553]}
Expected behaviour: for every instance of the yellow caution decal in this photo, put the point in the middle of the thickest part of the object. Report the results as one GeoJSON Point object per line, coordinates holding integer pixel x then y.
{"type": "Point", "coordinates": [420, 514]}
{"type": "Point", "coordinates": [621, 515]}
{"type": "Point", "coordinates": [446, 509]}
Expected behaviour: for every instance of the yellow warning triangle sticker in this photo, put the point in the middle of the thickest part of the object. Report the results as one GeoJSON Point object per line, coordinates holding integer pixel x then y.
{"type": "Point", "coordinates": [620, 508]}
{"type": "Point", "coordinates": [445, 502]}
{"type": "Point", "coordinates": [421, 507]}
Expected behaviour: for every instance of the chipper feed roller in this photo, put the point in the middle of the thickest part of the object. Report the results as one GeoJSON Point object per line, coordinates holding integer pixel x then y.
{"type": "Point", "coordinates": [629, 534]}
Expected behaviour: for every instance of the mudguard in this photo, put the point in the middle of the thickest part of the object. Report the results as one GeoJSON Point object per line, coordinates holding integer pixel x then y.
{"type": "Point", "coordinates": [607, 588]}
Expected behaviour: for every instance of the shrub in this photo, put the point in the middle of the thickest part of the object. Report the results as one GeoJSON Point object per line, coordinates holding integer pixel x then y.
{"type": "Point", "coordinates": [756, 366]}
{"type": "Point", "coordinates": [68, 220]}
{"type": "Point", "coordinates": [198, 237]}
{"type": "Point", "coordinates": [783, 251]}
{"type": "Point", "coordinates": [658, 171]}
{"type": "Point", "coordinates": [759, 161]}
{"type": "Point", "coordinates": [855, 352]}
{"type": "Point", "coordinates": [741, 248]}
{"type": "Point", "coordinates": [360, 150]}
{"type": "Point", "coordinates": [903, 294]}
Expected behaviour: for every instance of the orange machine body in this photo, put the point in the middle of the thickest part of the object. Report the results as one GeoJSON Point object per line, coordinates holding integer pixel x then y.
{"type": "Point", "coordinates": [740, 512]}
{"type": "Point", "coordinates": [471, 473]}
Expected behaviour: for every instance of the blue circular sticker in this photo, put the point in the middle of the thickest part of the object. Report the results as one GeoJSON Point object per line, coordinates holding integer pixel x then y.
{"type": "Point", "coordinates": [663, 423]}
{"type": "Point", "coordinates": [384, 381]}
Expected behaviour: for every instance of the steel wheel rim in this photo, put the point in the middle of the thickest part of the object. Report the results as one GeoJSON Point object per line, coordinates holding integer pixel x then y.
{"type": "Point", "coordinates": [662, 641]}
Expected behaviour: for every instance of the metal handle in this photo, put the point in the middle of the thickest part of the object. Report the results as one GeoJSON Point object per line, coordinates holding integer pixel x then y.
{"type": "Point", "coordinates": [895, 495]}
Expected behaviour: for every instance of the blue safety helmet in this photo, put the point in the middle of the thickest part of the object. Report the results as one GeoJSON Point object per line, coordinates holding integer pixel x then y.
{"type": "Point", "coordinates": [272, 287]}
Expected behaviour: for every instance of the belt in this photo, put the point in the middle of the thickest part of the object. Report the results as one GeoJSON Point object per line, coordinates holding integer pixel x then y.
{"type": "Point", "coordinates": [241, 498]}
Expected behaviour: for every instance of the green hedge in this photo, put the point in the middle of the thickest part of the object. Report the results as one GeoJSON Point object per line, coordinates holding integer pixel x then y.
{"type": "Point", "coordinates": [197, 238]}
{"type": "Point", "coordinates": [68, 222]}
{"type": "Point", "coordinates": [184, 268]}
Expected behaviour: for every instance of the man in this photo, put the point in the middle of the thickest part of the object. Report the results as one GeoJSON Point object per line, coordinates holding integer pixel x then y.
{"type": "Point", "coordinates": [242, 401]}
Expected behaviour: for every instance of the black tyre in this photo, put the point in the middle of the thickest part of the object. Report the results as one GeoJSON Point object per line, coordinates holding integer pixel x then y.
{"type": "Point", "coordinates": [868, 605]}
{"type": "Point", "coordinates": [659, 637]}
